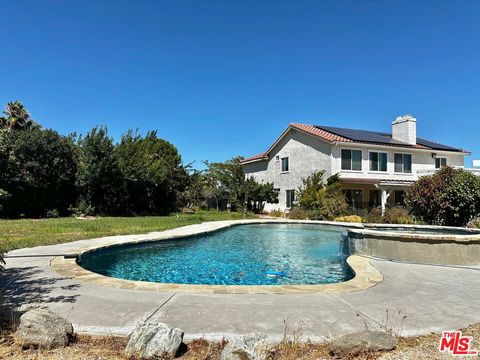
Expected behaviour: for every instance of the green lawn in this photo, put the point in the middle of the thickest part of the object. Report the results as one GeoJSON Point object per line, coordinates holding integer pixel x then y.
{"type": "Point", "coordinates": [15, 234]}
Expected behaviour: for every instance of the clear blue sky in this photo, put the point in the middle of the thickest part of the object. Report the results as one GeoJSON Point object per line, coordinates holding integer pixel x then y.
{"type": "Point", "coordinates": [224, 78]}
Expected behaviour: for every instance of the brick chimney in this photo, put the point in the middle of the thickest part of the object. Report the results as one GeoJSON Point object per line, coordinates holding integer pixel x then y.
{"type": "Point", "coordinates": [404, 129]}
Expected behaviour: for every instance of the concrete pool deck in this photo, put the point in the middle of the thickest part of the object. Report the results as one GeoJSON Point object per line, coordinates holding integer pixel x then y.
{"type": "Point", "coordinates": [412, 299]}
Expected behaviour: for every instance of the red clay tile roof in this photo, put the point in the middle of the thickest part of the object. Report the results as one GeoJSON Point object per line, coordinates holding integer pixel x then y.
{"type": "Point", "coordinates": [256, 157]}
{"type": "Point", "coordinates": [325, 135]}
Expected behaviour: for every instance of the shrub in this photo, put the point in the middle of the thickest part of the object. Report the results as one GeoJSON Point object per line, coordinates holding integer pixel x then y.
{"type": "Point", "coordinates": [448, 197]}
{"type": "Point", "coordinates": [298, 214]}
{"type": "Point", "coordinates": [322, 202]}
{"type": "Point", "coordinates": [276, 213]}
{"type": "Point", "coordinates": [398, 215]}
{"type": "Point", "coordinates": [349, 218]}
{"type": "Point", "coordinates": [374, 216]}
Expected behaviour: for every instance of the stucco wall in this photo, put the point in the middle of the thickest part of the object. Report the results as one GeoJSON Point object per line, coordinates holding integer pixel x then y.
{"type": "Point", "coordinates": [306, 154]}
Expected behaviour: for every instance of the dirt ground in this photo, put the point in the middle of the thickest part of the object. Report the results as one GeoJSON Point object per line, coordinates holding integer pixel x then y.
{"type": "Point", "coordinates": [108, 348]}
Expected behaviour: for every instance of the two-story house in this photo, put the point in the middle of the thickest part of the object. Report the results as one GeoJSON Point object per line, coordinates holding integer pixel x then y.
{"type": "Point", "coordinates": [375, 168]}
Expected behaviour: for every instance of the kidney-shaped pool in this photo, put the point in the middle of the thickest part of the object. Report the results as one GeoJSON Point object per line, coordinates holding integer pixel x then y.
{"type": "Point", "coordinates": [260, 254]}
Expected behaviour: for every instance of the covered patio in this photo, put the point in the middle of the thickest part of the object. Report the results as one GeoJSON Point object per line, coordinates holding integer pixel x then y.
{"type": "Point", "coordinates": [365, 194]}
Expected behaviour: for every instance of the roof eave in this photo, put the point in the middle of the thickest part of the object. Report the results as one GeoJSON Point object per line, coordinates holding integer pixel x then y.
{"type": "Point", "coordinates": [253, 160]}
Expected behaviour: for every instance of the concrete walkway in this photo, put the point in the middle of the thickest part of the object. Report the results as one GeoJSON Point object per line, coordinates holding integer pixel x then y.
{"type": "Point", "coordinates": [412, 299]}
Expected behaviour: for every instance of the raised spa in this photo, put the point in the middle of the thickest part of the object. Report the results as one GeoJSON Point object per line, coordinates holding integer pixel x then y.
{"type": "Point", "coordinates": [260, 254]}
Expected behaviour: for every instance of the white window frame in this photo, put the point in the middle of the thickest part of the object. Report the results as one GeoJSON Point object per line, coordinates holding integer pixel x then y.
{"type": "Point", "coordinates": [288, 165]}
{"type": "Point", "coordinates": [440, 158]}
{"type": "Point", "coordinates": [351, 160]}
{"type": "Point", "coordinates": [369, 163]}
{"type": "Point", "coordinates": [403, 164]}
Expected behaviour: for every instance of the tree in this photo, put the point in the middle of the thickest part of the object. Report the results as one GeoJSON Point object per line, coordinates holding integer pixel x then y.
{"type": "Point", "coordinates": [322, 201]}
{"type": "Point", "coordinates": [226, 181]}
{"type": "Point", "coordinates": [153, 171]}
{"type": "Point", "coordinates": [196, 189]}
{"type": "Point", "coordinates": [257, 194]}
{"type": "Point", "coordinates": [37, 173]}
{"type": "Point", "coordinates": [449, 197]}
{"type": "Point", "coordinates": [17, 117]}
{"type": "Point", "coordinates": [99, 181]}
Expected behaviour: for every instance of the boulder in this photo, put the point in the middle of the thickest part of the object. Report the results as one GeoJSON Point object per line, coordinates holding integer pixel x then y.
{"type": "Point", "coordinates": [254, 346]}
{"type": "Point", "coordinates": [42, 328]}
{"type": "Point", "coordinates": [152, 340]}
{"type": "Point", "coordinates": [364, 341]}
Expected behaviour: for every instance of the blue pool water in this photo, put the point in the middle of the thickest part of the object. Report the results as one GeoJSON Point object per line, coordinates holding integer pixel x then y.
{"type": "Point", "coordinates": [266, 254]}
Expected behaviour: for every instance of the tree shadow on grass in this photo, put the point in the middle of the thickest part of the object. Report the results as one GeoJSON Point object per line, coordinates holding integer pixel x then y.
{"type": "Point", "coordinates": [24, 286]}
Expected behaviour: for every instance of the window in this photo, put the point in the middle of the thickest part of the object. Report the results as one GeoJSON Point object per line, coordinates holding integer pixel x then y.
{"type": "Point", "coordinates": [403, 163]}
{"type": "Point", "coordinates": [354, 198]}
{"type": "Point", "coordinates": [400, 197]}
{"type": "Point", "coordinates": [290, 198]}
{"type": "Point", "coordinates": [285, 164]}
{"type": "Point", "coordinates": [351, 160]}
{"type": "Point", "coordinates": [440, 163]}
{"type": "Point", "coordinates": [378, 161]}
{"type": "Point", "coordinates": [375, 198]}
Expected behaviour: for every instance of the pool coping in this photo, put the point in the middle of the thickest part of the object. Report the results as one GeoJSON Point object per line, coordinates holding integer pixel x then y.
{"type": "Point", "coordinates": [471, 236]}
{"type": "Point", "coordinates": [365, 277]}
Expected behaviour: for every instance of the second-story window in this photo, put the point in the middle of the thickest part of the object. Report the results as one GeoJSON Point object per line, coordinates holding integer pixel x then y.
{"type": "Point", "coordinates": [403, 163]}
{"type": "Point", "coordinates": [285, 165]}
{"type": "Point", "coordinates": [440, 162]}
{"type": "Point", "coordinates": [378, 161]}
{"type": "Point", "coordinates": [351, 160]}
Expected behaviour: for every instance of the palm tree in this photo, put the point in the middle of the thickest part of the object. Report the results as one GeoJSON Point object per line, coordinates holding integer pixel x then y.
{"type": "Point", "coordinates": [17, 117]}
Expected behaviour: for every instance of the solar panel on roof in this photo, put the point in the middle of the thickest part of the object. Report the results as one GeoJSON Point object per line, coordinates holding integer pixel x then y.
{"type": "Point", "coordinates": [361, 135]}
{"type": "Point", "coordinates": [435, 146]}
{"type": "Point", "coordinates": [379, 137]}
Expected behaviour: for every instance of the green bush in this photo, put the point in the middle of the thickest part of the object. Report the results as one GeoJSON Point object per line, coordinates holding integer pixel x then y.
{"type": "Point", "coordinates": [322, 201]}
{"type": "Point", "coordinates": [449, 197]}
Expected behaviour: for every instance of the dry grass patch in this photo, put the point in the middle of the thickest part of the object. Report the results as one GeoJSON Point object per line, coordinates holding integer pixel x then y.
{"type": "Point", "coordinates": [108, 348]}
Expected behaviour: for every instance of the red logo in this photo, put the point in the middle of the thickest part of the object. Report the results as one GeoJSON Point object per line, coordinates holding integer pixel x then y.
{"type": "Point", "coordinates": [454, 343]}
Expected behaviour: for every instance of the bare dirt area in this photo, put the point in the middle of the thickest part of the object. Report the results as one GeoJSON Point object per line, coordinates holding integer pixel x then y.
{"type": "Point", "coordinates": [108, 348]}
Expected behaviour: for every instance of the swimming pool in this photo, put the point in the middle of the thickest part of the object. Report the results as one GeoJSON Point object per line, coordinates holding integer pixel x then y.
{"type": "Point", "coordinates": [258, 254]}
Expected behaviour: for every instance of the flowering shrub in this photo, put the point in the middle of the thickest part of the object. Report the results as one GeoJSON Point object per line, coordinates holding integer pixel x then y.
{"type": "Point", "coordinates": [448, 197]}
